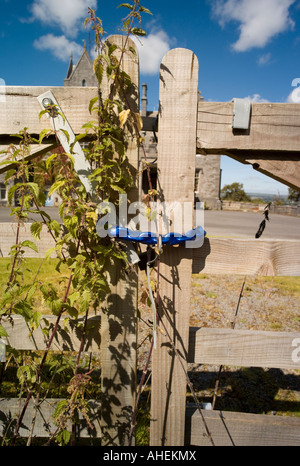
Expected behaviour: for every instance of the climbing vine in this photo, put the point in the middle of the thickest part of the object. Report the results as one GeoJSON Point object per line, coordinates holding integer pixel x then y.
{"type": "Point", "coordinates": [84, 257]}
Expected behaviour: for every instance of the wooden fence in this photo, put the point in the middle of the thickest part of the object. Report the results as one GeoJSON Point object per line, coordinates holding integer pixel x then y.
{"type": "Point", "coordinates": [186, 126]}
{"type": "Point", "coordinates": [212, 346]}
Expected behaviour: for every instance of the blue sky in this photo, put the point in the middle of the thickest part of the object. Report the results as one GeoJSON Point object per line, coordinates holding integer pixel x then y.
{"type": "Point", "coordinates": [245, 48]}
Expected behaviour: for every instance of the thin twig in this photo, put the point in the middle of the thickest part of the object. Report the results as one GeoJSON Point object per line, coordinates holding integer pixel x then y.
{"type": "Point", "coordinates": [232, 324]}
{"type": "Point", "coordinates": [41, 366]}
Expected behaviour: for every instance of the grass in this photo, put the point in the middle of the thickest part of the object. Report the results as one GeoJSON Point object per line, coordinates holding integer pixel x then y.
{"type": "Point", "coordinates": [284, 285]}
{"type": "Point", "coordinates": [43, 271]}
{"type": "Point", "coordinates": [47, 270]}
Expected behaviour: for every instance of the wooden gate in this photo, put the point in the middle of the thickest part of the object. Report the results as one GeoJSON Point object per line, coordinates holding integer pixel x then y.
{"type": "Point", "coordinates": [271, 144]}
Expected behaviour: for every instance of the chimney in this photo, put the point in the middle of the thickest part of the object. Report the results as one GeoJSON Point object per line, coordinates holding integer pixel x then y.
{"type": "Point", "coordinates": [144, 100]}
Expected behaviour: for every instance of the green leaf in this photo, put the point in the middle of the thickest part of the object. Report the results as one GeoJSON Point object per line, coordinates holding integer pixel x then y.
{"type": "Point", "coordinates": [44, 133]}
{"type": "Point", "coordinates": [29, 244]}
{"type": "Point", "coordinates": [3, 332]}
{"type": "Point", "coordinates": [32, 291]}
{"type": "Point", "coordinates": [55, 226]}
{"type": "Point", "coordinates": [92, 102]}
{"type": "Point", "coordinates": [111, 49]}
{"type": "Point", "coordinates": [74, 297]}
{"type": "Point", "coordinates": [60, 407]}
{"type": "Point", "coordinates": [35, 229]}
{"type": "Point", "coordinates": [142, 9]}
{"type": "Point", "coordinates": [12, 191]}
{"type": "Point", "coordinates": [66, 134]}
{"type": "Point", "coordinates": [72, 311]}
{"type": "Point", "coordinates": [42, 112]}
{"type": "Point", "coordinates": [34, 187]}
{"type": "Point", "coordinates": [115, 187]}
{"type": "Point", "coordinates": [37, 318]}
{"type": "Point", "coordinates": [57, 185]}
{"type": "Point", "coordinates": [126, 5]}
{"type": "Point", "coordinates": [88, 125]}
{"type": "Point", "coordinates": [24, 309]}
{"type": "Point", "coordinates": [77, 138]}
{"type": "Point", "coordinates": [71, 223]}
{"type": "Point", "coordinates": [49, 253]}
{"type": "Point", "coordinates": [63, 437]}
{"type": "Point", "coordinates": [138, 32]}
{"type": "Point", "coordinates": [98, 69]}
{"type": "Point", "coordinates": [50, 158]}
{"type": "Point", "coordinates": [133, 51]}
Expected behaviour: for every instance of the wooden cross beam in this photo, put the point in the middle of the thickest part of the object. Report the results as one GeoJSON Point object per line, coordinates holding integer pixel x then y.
{"type": "Point", "coordinates": [271, 144]}
{"type": "Point", "coordinates": [20, 108]}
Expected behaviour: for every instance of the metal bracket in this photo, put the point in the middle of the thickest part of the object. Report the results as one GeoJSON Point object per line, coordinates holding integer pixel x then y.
{"type": "Point", "coordinates": [241, 114]}
{"type": "Point", "coordinates": [59, 123]}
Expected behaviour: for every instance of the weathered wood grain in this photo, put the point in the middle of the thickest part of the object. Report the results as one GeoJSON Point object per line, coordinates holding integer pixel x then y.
{"type": "Point", "coordinates": [176, 169]}
{"type": "Point", "coordinates": [247, 256]}
{"type": "Point", "coordinates": [227, 428]}
{"type": "Point", "coordinates": [67, 338]}
{"type": "Point", "coordinates": [241, 429]}
{"type": "Point", "coordinates": [271, 145]}
{"type": "Point", "coordinates": [237, 347]}
{"type": "Point", "coordinates": [244, 348]}
{"type": "Point", "coordinates": [21, 109]}
{"type": "Point", "coordinates": [273, 127]}
{"type": "Point", "coordinates": [119, 315]}
{"type": "Point", "coordinates": [43, 415]}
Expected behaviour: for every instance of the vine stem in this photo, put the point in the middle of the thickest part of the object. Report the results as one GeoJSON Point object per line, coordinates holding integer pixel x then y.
{"type": "Point", "coordinates": [77, 363]}
{"type": "Point", "coordinates": [123, 50]}
{"type": "Point", "coordinates": [41, 366]}
{"type": "Point", "coordinates": [17, 240]}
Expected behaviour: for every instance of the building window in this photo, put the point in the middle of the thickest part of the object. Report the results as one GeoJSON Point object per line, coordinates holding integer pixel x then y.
{"type": "Point", "coordinates": [83, 83]}
{"type": "Point", "coordinates": [3, 196]}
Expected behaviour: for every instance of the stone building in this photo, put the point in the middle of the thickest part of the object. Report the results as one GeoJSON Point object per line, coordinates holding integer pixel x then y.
{"type": "Point", "coordinates": [82, 73]}
{"type": "Point", "coordinates": [207, 180]}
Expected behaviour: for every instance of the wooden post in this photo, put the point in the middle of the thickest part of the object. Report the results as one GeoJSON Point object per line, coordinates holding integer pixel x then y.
{"type": "Point", "coordinates": [119, 319]}
{"type": "Point", "coordinates": [176, 172]}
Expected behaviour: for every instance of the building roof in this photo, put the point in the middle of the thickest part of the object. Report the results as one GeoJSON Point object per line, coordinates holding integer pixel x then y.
{"type": "Point", "coordinates": [82, 73]}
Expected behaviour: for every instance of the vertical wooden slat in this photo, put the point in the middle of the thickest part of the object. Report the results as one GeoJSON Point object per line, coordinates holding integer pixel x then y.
{"type": "Point", "coordinates": [176, 171]}
{"type": "Point", "coordinates": [119, 319]}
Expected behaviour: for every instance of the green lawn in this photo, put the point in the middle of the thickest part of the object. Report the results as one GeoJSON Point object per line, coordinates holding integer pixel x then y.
{"type": "Point", "coordinates": [47, 272]}
{"type": "Point", "coordinates": [40, 271]}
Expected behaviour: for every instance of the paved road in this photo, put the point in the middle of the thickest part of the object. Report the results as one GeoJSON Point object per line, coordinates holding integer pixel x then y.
{"type": "Point", "coordinates": [245, 224]}
{"type": "Point", "coordinates": [225, 223]}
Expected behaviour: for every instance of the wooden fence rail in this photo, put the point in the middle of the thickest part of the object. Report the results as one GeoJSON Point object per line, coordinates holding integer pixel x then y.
{"type": "Point", "coordinates": [241, 429]}
{"type": "Point", "coordinates": [221, 346]}
{"type": "Point", "coordinates": [218, 255]}
{"type": "Point", "coordinates": [212, 346]}
{"type": "Point", "coordinates": [245, 348]}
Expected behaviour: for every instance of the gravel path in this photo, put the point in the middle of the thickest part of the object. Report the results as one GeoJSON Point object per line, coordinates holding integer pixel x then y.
{"type": "Point", "coordinates": [266, 304]}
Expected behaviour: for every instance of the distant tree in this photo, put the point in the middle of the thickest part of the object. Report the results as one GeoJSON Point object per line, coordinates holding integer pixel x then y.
{"type": "Point", "coordinates": [277, 200]}
{"type": "Point", "coordinates": [294, 195]}
{"type": "Point", "coordinates": [235, 192]}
